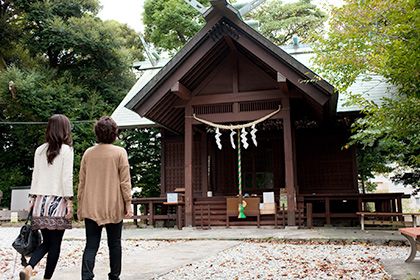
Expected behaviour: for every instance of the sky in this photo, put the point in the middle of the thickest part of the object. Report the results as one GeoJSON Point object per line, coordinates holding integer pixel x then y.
{"type": "Point", "coordinates": [124, 11]}
{"type": "Point", "coordinates": [130, 11]}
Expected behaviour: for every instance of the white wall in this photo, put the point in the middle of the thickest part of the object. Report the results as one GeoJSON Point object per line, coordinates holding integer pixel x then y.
{"type": "Point", "coordinates": [19, 199]}
{"type": "Point", "coordinates": [385, 185]}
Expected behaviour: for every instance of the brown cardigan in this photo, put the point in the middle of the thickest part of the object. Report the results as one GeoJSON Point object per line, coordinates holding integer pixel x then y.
{"type": "Point", "coordinates": [104, 191]}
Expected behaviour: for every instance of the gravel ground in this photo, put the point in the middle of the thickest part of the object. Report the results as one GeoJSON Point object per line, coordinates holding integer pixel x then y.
{"type": "Point", "coordinates": [289, 261]}
{"type": "Point", "coordinates": [249, 260]}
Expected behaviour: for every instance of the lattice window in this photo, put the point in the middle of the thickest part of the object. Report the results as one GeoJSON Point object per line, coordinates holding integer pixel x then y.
{"type": "Point", "coordinates": [174, 165]}
{"type": "Point", "coordinates": [213, 109]}
{"type": "Point", "coordinates": [196, 167]}
{"type": "Point", "coordinates": [258, 106]}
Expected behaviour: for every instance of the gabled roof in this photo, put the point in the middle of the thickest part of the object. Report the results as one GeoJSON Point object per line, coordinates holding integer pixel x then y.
{"type": "Point", "coordinates": [372, 87]}
{"type": "Point", "coordinates": [222, 20]}
{"type": "Point", "coordinates": [298, 58]}
{"type": "Point", "coordinates": [126, 118]}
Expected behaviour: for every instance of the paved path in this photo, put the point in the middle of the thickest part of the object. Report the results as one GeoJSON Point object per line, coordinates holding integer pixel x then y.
{"type": "Point", "coordinates": [156, 262]}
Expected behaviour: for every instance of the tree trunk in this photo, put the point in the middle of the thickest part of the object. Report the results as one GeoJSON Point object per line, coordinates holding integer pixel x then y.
{"type": "Point", "coordinates": [3, 64]}
{"type": "Point", "coordinates": [363, 185]}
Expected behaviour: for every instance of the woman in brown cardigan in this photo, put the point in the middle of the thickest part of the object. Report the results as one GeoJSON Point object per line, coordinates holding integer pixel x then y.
{"type": "Point", "coordinates": [104, 196]}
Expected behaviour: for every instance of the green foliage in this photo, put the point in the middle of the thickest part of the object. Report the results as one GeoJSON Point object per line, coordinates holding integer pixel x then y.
{"type": "Point", "coordinates": [382, 37]}
{"type": "Point", "coordinates": [370, 160]}
{"type": "Point", "coordinates": [279, 22]}
{"type": "Point", "coordinates": [143, 147]}
{"type": "Point", "coordinates": [65, 60]}
{"type": "Point", "coordinates": [169, 24]}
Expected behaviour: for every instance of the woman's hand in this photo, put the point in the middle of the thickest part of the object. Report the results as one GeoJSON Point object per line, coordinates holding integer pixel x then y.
{"type": "Point", "coordinates": [128, 214]}
{"type": "Point", "coordinates": [69, 214]}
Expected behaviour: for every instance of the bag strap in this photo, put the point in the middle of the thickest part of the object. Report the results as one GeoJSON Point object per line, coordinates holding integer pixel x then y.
{"type": "Point", "coordinates": [29, 218]}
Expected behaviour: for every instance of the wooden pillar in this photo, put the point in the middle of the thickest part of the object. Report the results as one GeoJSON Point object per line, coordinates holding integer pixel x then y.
{"type": "Point", "coordinates": [399, 204]}
{"type": "Point", "coordinates": [162, 163]}
{"type": "Point", "coordinates": [188, 150]}
{"type": "Point", "coordinates": [360, 207]}
{"type": "Point", "coordinates": [327, 211]}
{"type": "Point", "coordinates": [289, 164]}
{"type": "Point", "coordinates": [204, 164]}
{"type": "Point", "coordinates": [309, 221]}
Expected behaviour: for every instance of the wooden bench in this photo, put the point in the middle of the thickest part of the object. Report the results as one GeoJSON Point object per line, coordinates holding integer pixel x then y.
{"type": "Point", "coordinates": [413, 236]}
{"type": "Point", "coordinates": [390, 221]}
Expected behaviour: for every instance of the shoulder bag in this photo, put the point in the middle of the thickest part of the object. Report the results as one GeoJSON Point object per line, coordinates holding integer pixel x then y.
{"type": "Point", "coordinates": [28, 240]}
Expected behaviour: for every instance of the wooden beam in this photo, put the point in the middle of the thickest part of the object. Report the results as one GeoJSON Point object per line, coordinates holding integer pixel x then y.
{"type": "Point", "coordinates": [289, 167]}
{"type": "Point", "coordinates": [235, 72]}
{"type": "Point", "coordinates": [237, 117]}
{"type": "Point", "coordinates": [238, 97]}
{"type": "Point", "coordinates": [283, 87]}
{"type": "Point", "coordinates": [280, 78]}
{"type": "Point", "coordinates": [230, 43]}
{"type": "Point", "coordinates": [271, 94]}
{"type": "Point", "coordinates": [181, 91]}
{"type": "Point", "coordinates": [188, 179]}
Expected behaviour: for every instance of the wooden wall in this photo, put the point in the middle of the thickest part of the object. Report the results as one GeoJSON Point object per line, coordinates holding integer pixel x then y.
{"type": "Point", "coordinates": [323, 165]}
{"type": "Point", "coordinates": [173, 177]}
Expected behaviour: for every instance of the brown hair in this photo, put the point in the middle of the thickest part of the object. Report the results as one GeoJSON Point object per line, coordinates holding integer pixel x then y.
{"type": "Point", "coordinates": [58, 133]}
{"type": "Point", "coordinates": [106, 130]}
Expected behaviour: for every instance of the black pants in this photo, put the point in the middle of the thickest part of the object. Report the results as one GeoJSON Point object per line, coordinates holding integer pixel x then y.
{"type": "Point", "coordinates": [51, 244]}
{"type": "Point", "coordinates": [93, 238]}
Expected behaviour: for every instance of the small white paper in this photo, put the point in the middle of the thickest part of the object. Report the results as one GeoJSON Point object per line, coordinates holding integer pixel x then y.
{"type": "Point", "coordinates": [268, 197]}
{"type": "Point", "coordinates": [14, 217]}
{"type": "Point", "coordinates": [172, 197]}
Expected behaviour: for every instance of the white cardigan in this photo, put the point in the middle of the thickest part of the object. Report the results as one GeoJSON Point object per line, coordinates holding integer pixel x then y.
{"type": "Point", "coordinates": [56, 178]}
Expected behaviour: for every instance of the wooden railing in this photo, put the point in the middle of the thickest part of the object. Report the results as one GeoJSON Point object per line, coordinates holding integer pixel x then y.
{"type": "Point", "coordinates": [156, 209]}
{"type": "Point", "coordinates": [390, 219]}
{"type": "Point", "coordinates": [211, 211]}
{"type": "Point", "coordinates": [345, 206]}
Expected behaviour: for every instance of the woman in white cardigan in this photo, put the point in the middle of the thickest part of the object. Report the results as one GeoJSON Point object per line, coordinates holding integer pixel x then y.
{"type": "Point", "coordinates": [51, 193]}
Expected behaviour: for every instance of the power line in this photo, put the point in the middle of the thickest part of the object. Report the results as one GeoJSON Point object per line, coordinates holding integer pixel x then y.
{"type": "Point", "coordinates": [41, 123]}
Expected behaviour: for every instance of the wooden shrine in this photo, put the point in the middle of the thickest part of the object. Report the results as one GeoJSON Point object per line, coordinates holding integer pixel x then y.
{"type": "Point", "coordinates": [229, 73]}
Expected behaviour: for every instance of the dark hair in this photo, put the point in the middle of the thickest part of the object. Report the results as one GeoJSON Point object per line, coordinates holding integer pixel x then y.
{"type": "Point", "coordinates": [106, 130]}
{"type": "Point", "coordinates": [58, 133]}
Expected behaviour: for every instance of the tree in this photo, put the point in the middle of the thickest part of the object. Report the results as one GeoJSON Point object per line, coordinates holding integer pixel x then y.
{"type": "Point", "coordinates": [169, 24]}
{"type": "Point", "coordinates": [57, 57]}
{"type": "Point", "coordinates": [143, 147]}
{"type": "Point", "coordinates": [279, 22]}
{"type": "Point", "coordinates": [370, 160]}
{"type": "Point", "coordinates": [381, 37]}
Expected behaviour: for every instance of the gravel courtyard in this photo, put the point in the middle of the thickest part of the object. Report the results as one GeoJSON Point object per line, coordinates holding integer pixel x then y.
{"type": "Point", "coordinates": [248, 260]}
{"type": "Point", "coordinates": [220, 259]}
{"type": "Point", "coordinates": [289, 261]}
